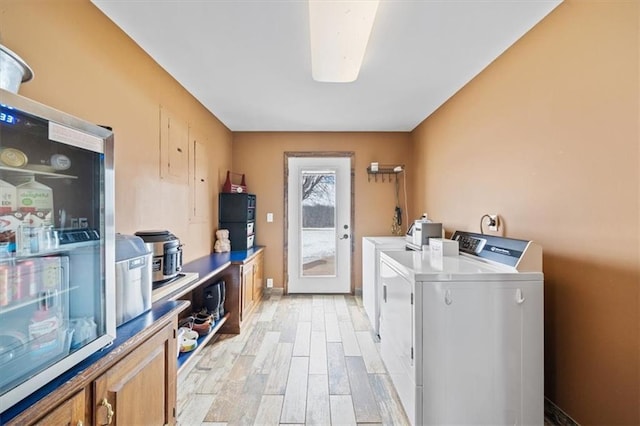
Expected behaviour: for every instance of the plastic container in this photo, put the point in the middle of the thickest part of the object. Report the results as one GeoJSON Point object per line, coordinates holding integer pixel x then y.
{"type": "Point", "coordinates": [36, 198]}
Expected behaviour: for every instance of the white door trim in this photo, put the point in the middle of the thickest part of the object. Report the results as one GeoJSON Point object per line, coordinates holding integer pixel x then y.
{"type": "Point", "coordinates": [288, 155]}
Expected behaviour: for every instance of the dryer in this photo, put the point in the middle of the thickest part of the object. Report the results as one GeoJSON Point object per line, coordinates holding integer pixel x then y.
{"type": "Point", "coordinates": [462, 337]}
{"type": "Point", "coordinates": [371, 248]}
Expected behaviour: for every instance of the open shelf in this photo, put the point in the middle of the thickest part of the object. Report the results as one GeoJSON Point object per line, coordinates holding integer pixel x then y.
{"type": "Point", "coordinates": [202, 340]}
{"type": "Point", "coordinates": [35, 170]}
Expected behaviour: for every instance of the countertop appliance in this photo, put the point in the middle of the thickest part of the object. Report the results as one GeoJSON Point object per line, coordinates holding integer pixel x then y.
{"type": "Point", "coordinates": [133, 277]}
{"type": "Point", "coordinates": [57, 280]}
{"type": "Point", "coordinates": [462, 338]}
{"type": "Point", "coordinates": [420, 231]}
{"type": "Point", "coordinates": [371, 248]}
{"type": "Point", "coordinates": [167, 254]}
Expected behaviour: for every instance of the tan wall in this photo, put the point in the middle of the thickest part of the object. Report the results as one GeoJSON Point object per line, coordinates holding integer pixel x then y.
{"type": "Point", "coordinates": [261, 157]}
{"type": "Point", "coordinates": [548, 138]}
{"type": "Point", "coordinates": [86, 66]}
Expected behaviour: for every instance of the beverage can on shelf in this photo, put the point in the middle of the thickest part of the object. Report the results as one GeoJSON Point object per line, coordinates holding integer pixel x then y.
{"type": "Point", "coordinates": [26, 279]}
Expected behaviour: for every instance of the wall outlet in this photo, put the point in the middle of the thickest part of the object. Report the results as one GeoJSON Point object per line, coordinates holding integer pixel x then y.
{"type": "Point", "coordinates": [269, 282]}
{"type": "Point", "coordinates": [494, 222]}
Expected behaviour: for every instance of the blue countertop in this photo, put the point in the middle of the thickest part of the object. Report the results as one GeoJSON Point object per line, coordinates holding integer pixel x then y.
{"type": "Point", "coordinates": [123, 333]}
{"type": "Point", "coordinates": [211, 264]}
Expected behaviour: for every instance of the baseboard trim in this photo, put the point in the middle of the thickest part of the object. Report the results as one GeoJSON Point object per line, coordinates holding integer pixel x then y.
{"type": "Point", "coordinates": [273, 291]}
{"type": "Point", "coordinates": [554, 415]}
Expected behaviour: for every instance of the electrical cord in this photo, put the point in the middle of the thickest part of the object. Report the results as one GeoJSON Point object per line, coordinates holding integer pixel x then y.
{"type": "Point", "coordinates": [492, 222]}
{"type": "Point", "coordinates": [406, 203]}
{"type": "Point", "coordinates": [396, 226]}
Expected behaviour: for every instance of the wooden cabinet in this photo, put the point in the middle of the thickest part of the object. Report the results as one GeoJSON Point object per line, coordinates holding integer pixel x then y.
{"type": "Point", "coordinates": [140, 389]}
{"type": "Point", "coordinates": [134, 383]}
{"type": "Point", "coordinates": [258, 276]}
{"type": "Point", "coordinates": [247, 289]}
{"type": "Point", "coordinates": [245, 282]}
{"type": "Point", "coordinates": [71, 412]}
{"type": "Point", "coordinates": [252, 283]}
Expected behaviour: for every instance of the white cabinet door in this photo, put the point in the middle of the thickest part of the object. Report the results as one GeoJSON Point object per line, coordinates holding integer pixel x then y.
{"type": "Point", "coordinates": [473, 353]}
{"type": "Point", "coordinates": [369, 282]}
{"type": "Point", "coordinates": [371, 287]}
{"type": "Point", "coordinates": [397, 336]}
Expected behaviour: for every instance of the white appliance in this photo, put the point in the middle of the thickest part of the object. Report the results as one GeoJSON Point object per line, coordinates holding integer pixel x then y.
{"type": "Point", "coordinates": [371, 248]}
{"type": "Point", "coordinates": [462, 338]}
{"type": "Point", "coordinates": [421, 231]}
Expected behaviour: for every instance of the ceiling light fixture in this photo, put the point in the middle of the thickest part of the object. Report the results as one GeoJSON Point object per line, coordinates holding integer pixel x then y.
{"type": "Point", "coordinates": [340, 32]}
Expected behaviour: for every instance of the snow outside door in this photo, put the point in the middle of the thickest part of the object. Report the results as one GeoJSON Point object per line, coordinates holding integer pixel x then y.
{"type": "Point", "coordinates": [319, 231]}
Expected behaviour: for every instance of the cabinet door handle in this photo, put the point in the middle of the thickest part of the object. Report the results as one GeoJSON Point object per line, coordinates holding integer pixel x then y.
{"type": "Point", "coordinates": [519, 298]}
{"type": "Point", "coordinates": [109, 408]}
{"type": "Point", "coordinates": [384, 293]}
{"type": "Point", "coordinates": [447, 297]}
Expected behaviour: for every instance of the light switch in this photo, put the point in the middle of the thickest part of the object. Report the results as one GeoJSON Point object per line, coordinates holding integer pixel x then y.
{"type": "Point", "coordinates": [269, 217]}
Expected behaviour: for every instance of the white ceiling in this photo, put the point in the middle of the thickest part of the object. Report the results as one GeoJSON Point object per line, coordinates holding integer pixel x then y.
{"type": "Point", "coordinates": [248, 61]}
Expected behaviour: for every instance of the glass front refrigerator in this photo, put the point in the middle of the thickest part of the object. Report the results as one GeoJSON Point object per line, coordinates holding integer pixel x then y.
{"type": "Point", "coordinates": [57, 288]}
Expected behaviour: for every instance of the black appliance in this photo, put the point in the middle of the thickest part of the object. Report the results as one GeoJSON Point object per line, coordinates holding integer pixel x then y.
{"type": "Point", "coordinates": [167, 254]}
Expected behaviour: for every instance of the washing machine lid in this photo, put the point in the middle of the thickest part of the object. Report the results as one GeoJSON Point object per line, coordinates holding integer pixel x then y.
{"type": "Point", "coordinates": [420, 266]}
{"type": "Point", "coordinates": [387, 241]}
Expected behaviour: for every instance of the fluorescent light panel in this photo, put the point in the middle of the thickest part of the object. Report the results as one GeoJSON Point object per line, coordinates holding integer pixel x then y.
{"type": "Point", "coordinates": [340, 32]}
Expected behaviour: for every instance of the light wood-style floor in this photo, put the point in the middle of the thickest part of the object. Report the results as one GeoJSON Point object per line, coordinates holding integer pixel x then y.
{"type": "Point", "coordinates": [300, 360]}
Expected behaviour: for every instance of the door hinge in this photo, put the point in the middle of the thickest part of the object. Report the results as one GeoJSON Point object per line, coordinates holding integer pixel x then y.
{"type": "Point", "coordinates": [412, 298]}
{"type": "Point", "coordinates": [411, 352]}
{"type": "Point", "coordinates": [174, 412]}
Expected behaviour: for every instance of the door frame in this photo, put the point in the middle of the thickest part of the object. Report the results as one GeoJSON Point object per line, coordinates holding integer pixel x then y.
{"type": "Point", "coordinates": [285, 243]}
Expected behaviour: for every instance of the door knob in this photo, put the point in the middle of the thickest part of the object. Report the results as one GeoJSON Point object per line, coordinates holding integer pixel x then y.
{"type": "Point", "coordinates": [344, 237]}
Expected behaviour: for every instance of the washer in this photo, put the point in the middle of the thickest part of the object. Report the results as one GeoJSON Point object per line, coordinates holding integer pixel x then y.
{"type": "Point", "coordinates": [462, 336]}
{"type": "Point", "coordinates": [371, 248]}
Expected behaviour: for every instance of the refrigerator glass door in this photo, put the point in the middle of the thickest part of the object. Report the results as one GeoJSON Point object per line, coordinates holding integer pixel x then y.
{"type": "Point", "coordinates": [56, 242]}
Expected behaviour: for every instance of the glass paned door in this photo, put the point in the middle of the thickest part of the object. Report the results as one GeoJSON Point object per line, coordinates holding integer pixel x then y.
{"type": "Point", "coordinates": [318, 193]}
{"type": "Point", "coordinates": [319, 218]}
